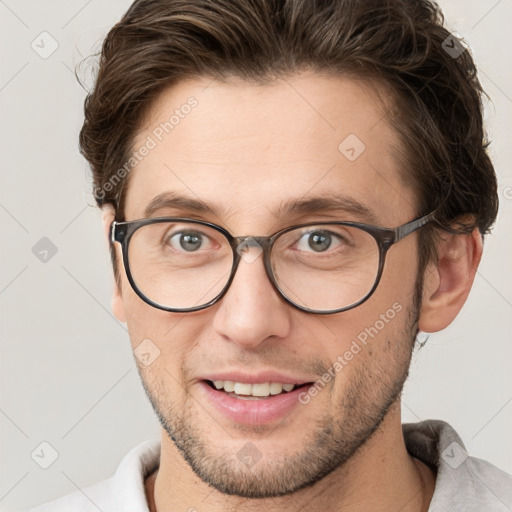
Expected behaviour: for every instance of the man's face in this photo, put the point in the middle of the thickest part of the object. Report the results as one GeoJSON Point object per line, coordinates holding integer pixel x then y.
{"type": "Point", "coordinates": [246, 150]}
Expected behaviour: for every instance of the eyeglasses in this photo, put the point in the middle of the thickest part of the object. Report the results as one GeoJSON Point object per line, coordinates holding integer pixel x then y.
{"type": "Point", "coordinates": [183, 265]}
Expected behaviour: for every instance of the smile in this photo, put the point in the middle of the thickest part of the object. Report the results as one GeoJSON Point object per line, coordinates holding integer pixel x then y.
{"type": "Point", "coordinates": [249, 391]}
{"type": "Point", "coordinates": [252, 403]}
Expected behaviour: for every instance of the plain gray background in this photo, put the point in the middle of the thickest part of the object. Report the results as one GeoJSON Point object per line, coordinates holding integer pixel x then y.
{"type": "Point", "coordinates": [67, 373]}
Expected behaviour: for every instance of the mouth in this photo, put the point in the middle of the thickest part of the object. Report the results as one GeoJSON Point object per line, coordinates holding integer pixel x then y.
{"type": "Point", "coordinates": [263, 398]}
{"type": "Point", "coordinates": [259, 391]}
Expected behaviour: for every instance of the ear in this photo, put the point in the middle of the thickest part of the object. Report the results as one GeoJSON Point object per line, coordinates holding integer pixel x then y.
{"type": "Point", "coordinates": [117, 300]}
{"type": "Point", "coordinates": [446, 284]}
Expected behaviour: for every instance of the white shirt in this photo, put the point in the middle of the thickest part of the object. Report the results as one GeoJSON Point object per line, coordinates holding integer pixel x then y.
{"type": "Point", "coordinates": [463, 483]}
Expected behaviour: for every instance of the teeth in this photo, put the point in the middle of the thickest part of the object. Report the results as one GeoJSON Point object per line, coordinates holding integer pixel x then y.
{"type": "Point", "coordinates": [228, 386]}
{"type": "Point", "coordinates": [275, 388]}
{"type": "Point", "coordinates": [260, 389]}
{"type": "Point", "coordinates": [263, 389]}
{"type": "Point", "coordinates": [243, 389]}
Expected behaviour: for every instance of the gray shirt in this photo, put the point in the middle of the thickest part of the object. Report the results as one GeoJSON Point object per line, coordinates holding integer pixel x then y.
{"type": "Point", "coordinates": [463, 483]}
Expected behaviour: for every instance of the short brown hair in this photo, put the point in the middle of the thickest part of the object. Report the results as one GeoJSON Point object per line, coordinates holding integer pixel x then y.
{"type": "Point", "coordinates": [400, 43]}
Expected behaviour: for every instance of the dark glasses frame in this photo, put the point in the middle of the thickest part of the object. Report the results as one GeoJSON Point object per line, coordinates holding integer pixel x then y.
{"type": "Point", "coordinates": [122, 233]}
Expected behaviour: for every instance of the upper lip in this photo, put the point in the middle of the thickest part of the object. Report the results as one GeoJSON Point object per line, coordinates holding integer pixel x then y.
{"type": "Point", "coordinates": [256, 378]}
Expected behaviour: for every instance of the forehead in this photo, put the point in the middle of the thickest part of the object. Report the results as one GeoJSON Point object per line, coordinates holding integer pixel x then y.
{"type": "Point", "coordinates": [247, 149]}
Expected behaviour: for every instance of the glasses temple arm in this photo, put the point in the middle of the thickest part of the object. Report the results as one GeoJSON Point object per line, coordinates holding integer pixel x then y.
{"type": "Point", "coordinates": [412, 226]}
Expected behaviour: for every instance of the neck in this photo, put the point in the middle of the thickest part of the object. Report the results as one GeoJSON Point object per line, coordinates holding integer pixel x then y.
{"type": "Point", "coordinates": [381, 476]}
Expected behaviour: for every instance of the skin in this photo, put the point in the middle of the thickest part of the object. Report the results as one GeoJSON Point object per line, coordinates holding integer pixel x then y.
{"type": "Point", "coordinates": [247, 148]}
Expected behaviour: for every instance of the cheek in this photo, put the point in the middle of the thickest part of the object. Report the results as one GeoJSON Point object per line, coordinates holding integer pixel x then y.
{"type": "Point", "coordinates": [398, 281]}
{"type": "Point", "coordinates": [377, 333]}
{"type": "Point", "coordinates": [375, 351]}
{"type": "Point", "coordinates": [389, 303]}
{"type": "Point", "coordinates": [172, 336]}
{"type": "Point", "coordinates": [140, 318]}
{"type": "Point", "coordinates": [143, 320]}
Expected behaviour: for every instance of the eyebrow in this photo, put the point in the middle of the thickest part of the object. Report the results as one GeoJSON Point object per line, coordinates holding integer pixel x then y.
{"type": "Point", "coordinates": [339, 204]}
{"type": "Point", "coordinates": [307, 205]}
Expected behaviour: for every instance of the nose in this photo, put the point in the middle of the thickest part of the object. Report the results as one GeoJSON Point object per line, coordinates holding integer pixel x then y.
{"type": "Point", "coordinates": [251, 311]}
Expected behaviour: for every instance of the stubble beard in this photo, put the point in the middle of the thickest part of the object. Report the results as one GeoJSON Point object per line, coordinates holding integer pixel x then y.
{"type": "Point", "coordinates": [333, 439]}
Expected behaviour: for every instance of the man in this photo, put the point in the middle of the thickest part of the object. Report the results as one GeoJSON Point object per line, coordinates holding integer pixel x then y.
{"type": "Point", "coordinates": [293, 191]}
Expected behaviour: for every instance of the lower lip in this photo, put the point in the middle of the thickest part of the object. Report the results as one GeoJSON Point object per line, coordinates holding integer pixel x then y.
{"type": "Point", "coordinates": [253, 412]}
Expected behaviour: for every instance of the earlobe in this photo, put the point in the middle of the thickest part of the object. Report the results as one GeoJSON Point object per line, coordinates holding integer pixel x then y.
{"type": "Point", "coordinates": [117, 300]}
{"type": "Point", "coordinates": [117, 303]}
{"type": "Point", "coordinates": [448, 282]}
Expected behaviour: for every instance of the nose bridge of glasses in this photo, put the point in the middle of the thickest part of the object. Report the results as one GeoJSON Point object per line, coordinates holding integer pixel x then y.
{"type": "Point", "coordinates": [249, 248]}
{"type": "Point", "coordinates": [242, 244]}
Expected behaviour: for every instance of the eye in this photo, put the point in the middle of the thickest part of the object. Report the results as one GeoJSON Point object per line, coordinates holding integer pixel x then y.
{"type": "Point", "coordinates": [189, 241]}
{"type": "Point", "coordinates": [318, 241]}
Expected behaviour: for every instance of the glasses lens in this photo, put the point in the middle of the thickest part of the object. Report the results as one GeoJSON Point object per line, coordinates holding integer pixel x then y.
{"type": "Point", "coordinates": [179, 264]}
{"type": "Point", "coordinates": [325, 267]}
